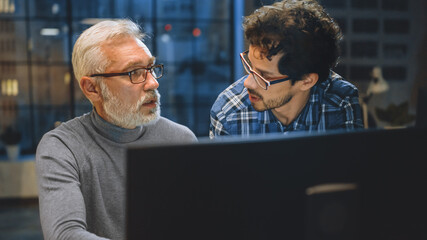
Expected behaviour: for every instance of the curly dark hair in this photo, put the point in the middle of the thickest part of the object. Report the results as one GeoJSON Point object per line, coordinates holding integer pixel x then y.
{"type": "Point", "coordinates": [302, 30]}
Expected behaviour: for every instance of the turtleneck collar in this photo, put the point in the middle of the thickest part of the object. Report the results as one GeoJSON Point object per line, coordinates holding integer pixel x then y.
{"type": "Point", "coordinates": [113, 132]}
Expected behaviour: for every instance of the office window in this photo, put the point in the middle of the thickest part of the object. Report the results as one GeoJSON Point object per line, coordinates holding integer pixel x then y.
{"type": "Point", "coordinates": [45, 8]}
{"type": "Point", "coordinates": [395, 5]}
{"type": "Point", "coordinates": [49, 42]}
{"type": "Point", "coordinates": [364, 49]}
{"type": "Point", "coordinates": [360, 73]}
{"type": "Point", "coordinates": [333, 3]}
{"type": "Point", "coordinates": [395, 51]}
{"type": "Point", "coordinates": [364, 4]}
{"type": "Point", "coordinates": [397, 73]}
{"type": "Point", "coordinates": [193, 38]}
{"type": "Point", "coordinates": [369, 25]}
{"type": "Point", "coordinates": [396, 26]}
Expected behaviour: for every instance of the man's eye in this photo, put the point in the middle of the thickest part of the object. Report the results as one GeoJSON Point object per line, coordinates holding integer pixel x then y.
{"type": "Point", "coordinates": [261, 75]}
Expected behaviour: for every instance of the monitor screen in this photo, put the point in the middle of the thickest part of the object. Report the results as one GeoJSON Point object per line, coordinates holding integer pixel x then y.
{"type": "Point", "coordinates": [343, 185]}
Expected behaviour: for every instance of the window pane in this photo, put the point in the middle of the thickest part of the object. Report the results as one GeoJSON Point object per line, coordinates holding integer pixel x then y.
{"type": "Point", "coordinates": [49, 41]}
{"type": "Point", "coordinates": [141, 9]}
{"type": "Point", "coordinates": [213, 43]}
{"type": "Point", "coordinates": [333, 3]}
{"type": "Point", "coordinates": [51, 96]}
{"type": "Point", "coordinates": [15, 101]}
{"type": "Point", "coordinates": [364, 4]}
{"type": "Point", "coordinates": [394, 73]}
{"type": "Point", "coordinates": [206, 9]}
{"type": "Point", "coordinates": [368, 49]}
{"type": "Point", "coordinates": [47, 8]}
{"type": "Point", "coordinates": [197, 69]}
{"type": "Point", "coordinates": [176, 44]}
{"type": "Point", "coordinates": [360, 73]}
{"type": "Point", "coordinates": [183, 9]}
{"type": "Point", "coordinates": [99, 8]}
{"type": "Point", "coordinates": [396, 26]}
{"type": "Point", "coordinates": [395, 50]}
{"type": "Point", "coordinates": [12, 8]}
{"type": "Point", "coordinates": [177, 88]}
{"type": "Point", "coordinates": [395, 5]}
{"type": "Point", "coordinates": [13, 45]}
{"type": "Point", "coordinates": [365, 25]}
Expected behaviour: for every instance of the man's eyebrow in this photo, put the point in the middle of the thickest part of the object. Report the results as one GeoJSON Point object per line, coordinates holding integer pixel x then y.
{"type": "Point", "coordinates": [263, 73]}
{"type": "Point", "coordinates": [131, 65]}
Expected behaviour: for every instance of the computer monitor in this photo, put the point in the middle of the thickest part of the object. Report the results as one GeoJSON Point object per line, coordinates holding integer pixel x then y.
{"type": "Point", "coordinates": [344, 185]}
{"type": "Point", "coordinates": [421, 117]}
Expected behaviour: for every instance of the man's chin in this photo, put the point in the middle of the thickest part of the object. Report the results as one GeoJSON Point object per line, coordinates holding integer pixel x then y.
{"type": "Point", "coordinates": [152, 118]}
{"type": "Point", "coordinates": [258, 107]}
{"type": "Point", "coordinates": [151, 122]}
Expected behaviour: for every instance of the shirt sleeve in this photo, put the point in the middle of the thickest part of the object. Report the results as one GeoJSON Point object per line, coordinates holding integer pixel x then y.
{"type": "Point", "coordinates": [62, 208]}
{"type": "Point", "coordinates": [216, 128]}
{"type": "Point", "coordinates": [353, 113]}
{"type": "Point", "coordinates": [357, 118]}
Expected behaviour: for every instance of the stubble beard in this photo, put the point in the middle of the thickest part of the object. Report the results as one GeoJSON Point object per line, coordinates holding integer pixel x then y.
{"type": "Point", "coordinates": [127, 115]}
{"type": "Point", "coordinates": [263, 105]}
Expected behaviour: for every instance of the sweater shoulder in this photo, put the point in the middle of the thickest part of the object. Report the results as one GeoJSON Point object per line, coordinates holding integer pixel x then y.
{"type": "Point", "coordinates": [74, 128]}
{"type": "Point", "coordinates": [167, 129]}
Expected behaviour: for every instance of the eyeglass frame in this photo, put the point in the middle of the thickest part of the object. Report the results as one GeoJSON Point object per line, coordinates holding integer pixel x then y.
{"type": "Point", "coordinates": [149, 69]}
{"type": "Point", "coordinates": [255, 74]}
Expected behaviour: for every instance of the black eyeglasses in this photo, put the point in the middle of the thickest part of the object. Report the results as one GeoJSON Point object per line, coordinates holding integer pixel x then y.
{"type": "Point", "coordinates": [262, 82]}
{"type": "Point", "coordinates": [138, 75]}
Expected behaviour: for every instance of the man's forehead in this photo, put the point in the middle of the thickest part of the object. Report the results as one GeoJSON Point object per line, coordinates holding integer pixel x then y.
{"type": "Point", "coordinates": [124, 58]}
{"type": "Point", "coordinates": [152, 59]}
{"type": "Point", "coordinates": [140, 43]}
{"type": "Point", "coordinates": [261, 53]}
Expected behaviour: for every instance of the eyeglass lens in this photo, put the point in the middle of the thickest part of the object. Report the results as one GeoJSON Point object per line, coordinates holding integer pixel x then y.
{"type": "Point", "coordinates": [139, 75]}
{"type": "Point", "coordinates": [260, 82]}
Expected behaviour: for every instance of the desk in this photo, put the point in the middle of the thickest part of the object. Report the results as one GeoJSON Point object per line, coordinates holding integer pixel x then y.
{"type": "Point", "coordinates": [18, 179]}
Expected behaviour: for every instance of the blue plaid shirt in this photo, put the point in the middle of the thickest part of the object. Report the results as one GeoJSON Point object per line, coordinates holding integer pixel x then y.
{"type": "Point", "coordinates": [333, 104]}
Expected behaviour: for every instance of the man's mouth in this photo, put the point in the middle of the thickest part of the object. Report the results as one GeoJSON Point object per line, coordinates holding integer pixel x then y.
{"type": "Point", "coordinates": [150, 103]}
{"type": "Point", "coordinates": [253, 97]}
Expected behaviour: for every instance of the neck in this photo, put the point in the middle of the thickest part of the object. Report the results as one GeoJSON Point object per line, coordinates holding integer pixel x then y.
{"type": "Point", "coordinates": [290, 111]}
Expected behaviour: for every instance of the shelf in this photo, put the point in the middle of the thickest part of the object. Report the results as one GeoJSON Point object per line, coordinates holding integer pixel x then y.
{"type": "Point", "coordinates": [18, 178]}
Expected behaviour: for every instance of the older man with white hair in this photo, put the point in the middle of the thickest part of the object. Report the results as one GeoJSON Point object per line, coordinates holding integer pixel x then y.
{"type": "Point", "coordinates": [81, 164]}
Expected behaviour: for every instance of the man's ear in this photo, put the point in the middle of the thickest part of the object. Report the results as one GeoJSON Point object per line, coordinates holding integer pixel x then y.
{"type": "Point", "coordinates": [90, 89]}
{"type": "Point", "coordinates": [308, 81]}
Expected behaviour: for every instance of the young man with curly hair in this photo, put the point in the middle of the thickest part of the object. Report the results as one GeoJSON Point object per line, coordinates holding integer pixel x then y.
{"type": "Point", "coordinates": [289, 84]}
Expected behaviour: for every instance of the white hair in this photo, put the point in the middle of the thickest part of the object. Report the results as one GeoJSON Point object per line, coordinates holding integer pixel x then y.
{"type": "Point", "coordinates": [87, 57]}
{"type": "Point", "coordinates": [127, 115]}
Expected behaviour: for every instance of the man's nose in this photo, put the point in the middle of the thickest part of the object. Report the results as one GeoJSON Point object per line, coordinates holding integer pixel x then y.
{"type": "Point", "coordinates": [151, 82]}
{"type": "Point", "coordinates": [250, 82]}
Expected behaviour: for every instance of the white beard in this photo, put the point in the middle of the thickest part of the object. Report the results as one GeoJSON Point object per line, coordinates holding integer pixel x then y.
{"type": "Point", "coordinates": [126, 115]}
